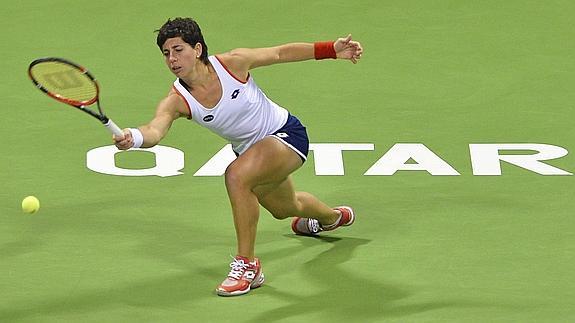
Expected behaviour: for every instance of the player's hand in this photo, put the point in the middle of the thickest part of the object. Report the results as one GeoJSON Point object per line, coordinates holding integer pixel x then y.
{"type": "Point", "coordinates": [126, 142]}
{"type": "Point", "coordinates": [345, 48]}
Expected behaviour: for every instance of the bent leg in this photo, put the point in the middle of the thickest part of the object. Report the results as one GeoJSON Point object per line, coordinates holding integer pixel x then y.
{"type": "Point", "coordinates": [282, 201]}
{"type": "Point", "coordinates": [268, 162]}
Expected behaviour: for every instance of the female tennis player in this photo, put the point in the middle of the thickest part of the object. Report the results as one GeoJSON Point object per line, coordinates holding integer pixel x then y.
{"type": "Point", "coordinates": [219, 93]}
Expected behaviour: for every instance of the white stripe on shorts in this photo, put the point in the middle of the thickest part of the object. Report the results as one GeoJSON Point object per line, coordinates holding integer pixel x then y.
{"type": "Point", "coordinates": [290, 146]}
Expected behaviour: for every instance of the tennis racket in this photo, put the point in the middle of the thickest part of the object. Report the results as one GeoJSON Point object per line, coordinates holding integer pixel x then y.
{"type": "Point", "coordinates": [72, 84]}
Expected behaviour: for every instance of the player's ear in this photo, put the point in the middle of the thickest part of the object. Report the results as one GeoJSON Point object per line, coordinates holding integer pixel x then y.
{"type": "Point", "coordinates": [199, 49]}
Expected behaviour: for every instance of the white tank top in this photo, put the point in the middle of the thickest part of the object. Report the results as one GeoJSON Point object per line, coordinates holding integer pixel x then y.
{"type": "Point", "coordinates": [243, 116]}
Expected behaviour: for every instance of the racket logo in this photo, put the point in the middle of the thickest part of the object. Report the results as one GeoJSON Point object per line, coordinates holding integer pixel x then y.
{"type": "Point", "coordinates": [64, 80]}
{"type": "Point", "coordinates": [208, 118]}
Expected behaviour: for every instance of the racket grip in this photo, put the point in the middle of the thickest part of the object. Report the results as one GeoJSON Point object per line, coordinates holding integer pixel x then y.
{"type": "Point", "coordinates": [113, 128]}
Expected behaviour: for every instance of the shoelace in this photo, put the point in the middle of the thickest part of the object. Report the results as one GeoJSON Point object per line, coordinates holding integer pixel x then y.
{"type": "Point", "coordinates": [238, 268]}
{"type": "Point", "coordinates": [314, 225]}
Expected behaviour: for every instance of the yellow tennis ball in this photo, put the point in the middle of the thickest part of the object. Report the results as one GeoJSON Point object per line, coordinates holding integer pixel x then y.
{"type": "Point", "coordinates": [30, 204]}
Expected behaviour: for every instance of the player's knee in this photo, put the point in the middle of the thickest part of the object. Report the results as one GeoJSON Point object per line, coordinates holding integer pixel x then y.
{"type": "Point", "coordinates": [231, 176]}
{"type": "Point", "coordinates": [235, 177]}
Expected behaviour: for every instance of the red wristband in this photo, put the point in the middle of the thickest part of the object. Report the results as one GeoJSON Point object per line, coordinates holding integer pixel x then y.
{"type": "Point", "coordinates": [323, 50]}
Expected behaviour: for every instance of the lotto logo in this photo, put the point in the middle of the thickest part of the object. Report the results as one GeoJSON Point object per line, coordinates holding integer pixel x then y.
{"type": "Point", "coordinates": [235, 94]}
{"type": "Point", "coordinates": [282, 135]}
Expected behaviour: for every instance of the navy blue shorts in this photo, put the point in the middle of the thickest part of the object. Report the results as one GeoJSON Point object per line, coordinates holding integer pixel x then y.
{"type": "Point", "coordinates": [294, 135]}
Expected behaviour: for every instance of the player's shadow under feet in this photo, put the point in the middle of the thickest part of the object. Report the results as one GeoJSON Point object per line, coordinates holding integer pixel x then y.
{"type": "Point", "coordinates": [337, 286]}
{"type": "Point", "coordinates": [343, 295]}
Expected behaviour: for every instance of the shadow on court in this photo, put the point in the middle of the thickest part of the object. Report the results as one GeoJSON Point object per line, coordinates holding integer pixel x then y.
{"type": "Point", "coordinates": [335, 292]}
{"type": "Point", "coordinates": [156, 238]}
{"type": "Point", "coordinates": [164, 292]}
{"type": "Point", "coordinates": [343, 295]}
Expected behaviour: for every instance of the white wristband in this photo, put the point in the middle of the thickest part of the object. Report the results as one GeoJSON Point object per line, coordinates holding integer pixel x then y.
{"type": "Point", "coordinates": [137, 137]}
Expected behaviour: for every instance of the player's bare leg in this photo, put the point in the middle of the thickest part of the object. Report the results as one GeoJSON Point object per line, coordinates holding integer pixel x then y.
{"type": "Point", "coordinates": [266, 162]}
{"type": "Point", "coordinates": [262, 176]}
{"type": "Point", "coordinates": [282, 201]}
{"type": "Point", "coordinates": [311, 216]}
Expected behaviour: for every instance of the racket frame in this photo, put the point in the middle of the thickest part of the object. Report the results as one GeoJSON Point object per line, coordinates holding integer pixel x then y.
{"type": "Point", "coordinates": [75, 103]}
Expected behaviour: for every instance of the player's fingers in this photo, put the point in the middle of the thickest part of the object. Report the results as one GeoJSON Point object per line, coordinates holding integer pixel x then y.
{"type": "Point", "coordinates": [356, 46]}
{"type": "Point", "coordinates": [125, 142]}
{"type": "Point", "coordinates": [342, 43]}
{"type": "Point", "coordinates": [123, 145]}
{"type": "Point", "coordinates": [127, 134]}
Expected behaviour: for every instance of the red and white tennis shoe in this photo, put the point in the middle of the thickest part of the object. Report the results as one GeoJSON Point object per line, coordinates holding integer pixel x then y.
{"type": "Point", "coordinates": [243, 277]}
{"type": "Point", "coordinates": [312, 227]}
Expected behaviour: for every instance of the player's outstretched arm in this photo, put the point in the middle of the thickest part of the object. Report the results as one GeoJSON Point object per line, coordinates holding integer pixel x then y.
{"type": "Point", "coordinates": [241, 60]}
{"type": "Point", "coordinates": [152, 133]}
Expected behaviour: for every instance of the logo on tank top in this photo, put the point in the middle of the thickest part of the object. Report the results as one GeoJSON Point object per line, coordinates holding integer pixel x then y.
{"type": "Point", "coordinates": [235, 93]}
{"type": "Point", "coordinates": [208, 118]}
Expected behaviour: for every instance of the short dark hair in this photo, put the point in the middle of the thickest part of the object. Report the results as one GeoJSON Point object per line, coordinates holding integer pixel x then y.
{"type": "Point", "coordinates": [186, 28]}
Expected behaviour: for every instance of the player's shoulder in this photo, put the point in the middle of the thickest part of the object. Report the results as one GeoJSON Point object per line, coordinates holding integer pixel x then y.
{"type": "Point", "coordinates": [237, 58]}
{"type": "Point", "coordinates": [174, 104]}
{"type": "Point", "coordinates": [233, 55]}
{"type": "Point", "coordinates": [236, 62]}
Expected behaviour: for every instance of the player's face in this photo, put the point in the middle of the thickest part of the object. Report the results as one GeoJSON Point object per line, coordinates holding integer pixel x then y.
{"type": "Point", "coordinates": [179, 55]}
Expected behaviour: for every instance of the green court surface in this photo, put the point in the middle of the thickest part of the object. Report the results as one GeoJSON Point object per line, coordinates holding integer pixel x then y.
{"type": "Point", "coordinates": [424, 248]}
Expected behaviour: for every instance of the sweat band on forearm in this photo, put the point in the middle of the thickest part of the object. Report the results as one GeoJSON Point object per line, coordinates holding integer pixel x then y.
{"type": "Point", "coordinates": [137, 137]}
{"type": "Point", "coordinates": [322, 50]}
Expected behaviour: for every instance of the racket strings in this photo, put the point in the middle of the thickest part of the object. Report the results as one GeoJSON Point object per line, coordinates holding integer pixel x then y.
{"type": "Point", "coordinates": [65, 81]}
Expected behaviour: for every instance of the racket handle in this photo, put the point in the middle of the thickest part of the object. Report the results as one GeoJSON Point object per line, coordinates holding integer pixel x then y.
{"type": "Point", "coordinates": [113, 128]}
